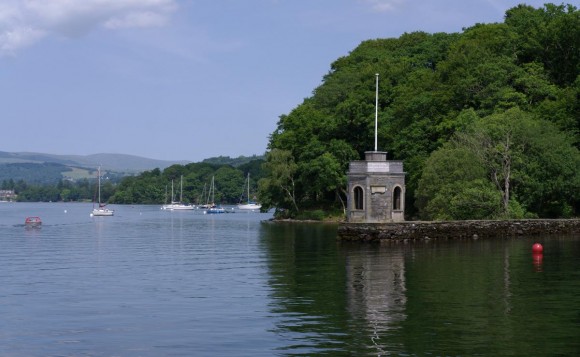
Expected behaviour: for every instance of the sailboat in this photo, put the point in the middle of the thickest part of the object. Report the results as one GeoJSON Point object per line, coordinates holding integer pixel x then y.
{"type": "Point", "coordinates": [212, 208]}
{"type": "Point", "coordinates": [201, 198]}
{"type": "Point", "coordinates": [177, 205]}
{"type": "Point", "coordinates": [101, 210]}
{"type": "Point", "coordinates": [249, 205]}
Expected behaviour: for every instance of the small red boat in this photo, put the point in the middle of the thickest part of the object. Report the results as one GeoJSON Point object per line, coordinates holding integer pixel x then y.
{"type": "Point", "coordinates": [33, 222]}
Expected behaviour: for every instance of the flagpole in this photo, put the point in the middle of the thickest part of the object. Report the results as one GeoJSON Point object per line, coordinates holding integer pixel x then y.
{"type": "Point", "coordinates": [376, 110]}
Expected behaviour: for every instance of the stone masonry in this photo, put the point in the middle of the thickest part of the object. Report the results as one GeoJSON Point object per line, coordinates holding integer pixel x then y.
{"type": "Point", "coordinates": [416, 231]}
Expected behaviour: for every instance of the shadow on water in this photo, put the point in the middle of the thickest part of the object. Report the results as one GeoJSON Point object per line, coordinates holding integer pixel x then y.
{"type": "Point", "coordinates": [485, 297]}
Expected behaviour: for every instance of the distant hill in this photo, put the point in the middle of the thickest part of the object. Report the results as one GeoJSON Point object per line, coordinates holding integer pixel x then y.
{"type": "Point", "coordinates": [39, 168]}
{"type": "Point", "coordinates": [36, 173]}
{"type": "Point", "coordinates": [120, 163]}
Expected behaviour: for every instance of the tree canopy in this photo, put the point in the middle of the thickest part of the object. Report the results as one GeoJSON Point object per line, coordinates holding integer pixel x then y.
{"type": "Point", "coordinates": [154, 187]}
{"type": "Point", "coordinates": [487, 121]}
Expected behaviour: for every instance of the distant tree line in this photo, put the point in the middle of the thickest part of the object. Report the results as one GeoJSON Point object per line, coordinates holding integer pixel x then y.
{"type": "Point", "coordinates": [486, 121]}
{"type": "Point", "coordinates": [232, 161]}
{"type": "Point", "coordinates": [63, 190]}
{"type": "Point", "coordinates": [152, 187]}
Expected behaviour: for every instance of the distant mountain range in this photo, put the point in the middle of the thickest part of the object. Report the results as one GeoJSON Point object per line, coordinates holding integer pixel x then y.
{"type": "Point", "coordinates": [120, 163]}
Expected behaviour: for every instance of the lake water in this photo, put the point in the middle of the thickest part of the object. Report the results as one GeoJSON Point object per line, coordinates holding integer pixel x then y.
{"type": "Point", "coordinates": [148, 282]}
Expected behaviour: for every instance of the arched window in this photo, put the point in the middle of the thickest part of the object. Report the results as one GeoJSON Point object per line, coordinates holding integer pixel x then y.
{"type": "Point", "coordinates": [358, 198]}
{"type": "Point", "coordinates": [397, 199]}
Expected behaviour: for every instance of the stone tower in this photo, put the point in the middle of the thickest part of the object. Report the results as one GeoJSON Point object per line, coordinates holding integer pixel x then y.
{"type": "Point", "coordinates": [376, 189]}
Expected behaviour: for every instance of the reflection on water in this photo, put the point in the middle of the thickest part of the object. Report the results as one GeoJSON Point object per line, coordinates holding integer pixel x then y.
{"type": "Point", "coordinates": [148, 282]}
{"type": "Point", "coordinates": [376, 289]}
{"type": "Point", "coordinates": [438, 298]}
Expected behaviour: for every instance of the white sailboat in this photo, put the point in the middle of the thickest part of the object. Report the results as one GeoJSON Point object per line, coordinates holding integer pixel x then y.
{"type": "Point", "coordinates": [212, 208]}
{"type": "Point", "coordinates": [249, 205]}
{"type": "Point", "coordinates": [177, 205]}
{"type": "Point", "coordinates": [101, 209]}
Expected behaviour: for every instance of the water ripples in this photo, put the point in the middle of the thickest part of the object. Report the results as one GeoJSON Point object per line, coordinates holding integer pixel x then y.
{"type": "Point", "coordinates": [148, 282]}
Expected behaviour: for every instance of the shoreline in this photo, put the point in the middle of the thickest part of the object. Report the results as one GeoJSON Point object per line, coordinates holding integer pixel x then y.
{"type": "Point", "coordinates": [292, 220]}
{"type": "Point", "coordinates": [474, 229]}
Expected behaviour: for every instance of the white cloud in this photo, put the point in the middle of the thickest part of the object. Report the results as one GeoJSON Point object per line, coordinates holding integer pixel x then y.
{"type": "Point", "coordinates": [137, 19]}
{"type": "Point", "coordinates": [384, 5]}
{"type": "Point", "coordinates": [16, 38]}
{"type": "Point", "coordinates": [23, 22]}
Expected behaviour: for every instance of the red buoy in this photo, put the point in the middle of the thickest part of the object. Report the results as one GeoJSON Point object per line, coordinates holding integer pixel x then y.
{"type": "Point", "coordinates": [537, 248]}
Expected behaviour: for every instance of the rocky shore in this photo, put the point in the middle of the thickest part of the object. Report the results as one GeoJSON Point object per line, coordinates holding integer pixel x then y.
{"type": "Point", "coordinates": [419, 230]}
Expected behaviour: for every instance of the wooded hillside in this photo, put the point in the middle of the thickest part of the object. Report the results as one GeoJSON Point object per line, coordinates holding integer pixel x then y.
{"type": "Point", "coordinates": [487, 121]}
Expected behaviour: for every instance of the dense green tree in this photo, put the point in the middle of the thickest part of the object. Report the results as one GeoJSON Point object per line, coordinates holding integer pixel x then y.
{"type": "Point", "coordinates": [39, 194]}
{"type": "Point", "coordinates": [431, 87]}
{"type": "Point", "coordinates": [502, 166]}
{"type": "Point", "coordinates": [278, 189]}
{"type": "Point", "coordinates": [154, 187]}
{"type": "Point", "coordinates": [445, 168]}
{"type": "Point", "coordinates": [548, 35]}
{"type": "Point", "coordinates": [228, 184]}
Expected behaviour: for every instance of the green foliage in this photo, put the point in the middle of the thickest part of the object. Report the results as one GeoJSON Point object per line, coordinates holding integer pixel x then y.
{"type": "Point", "coordinates": [39, 193]}
{"type": "Point", "coordinates": [507, 165]}
{"type": "Point", "coordinates": [316, 215]}
{"type": "Point", "coordinates": [277, 189]}
{"type": "Point", "coordinates": [154, 187]}
{"type": "Point", "coordinates": [33, 173]}
{"type": "Point", "coordinates": [550, 36]}
{"type": "Point", "coordinates": [229, 184]}
{"type": "Point", "coordinates": [477, 199]}
{"type": "Point", "coordinates": [519, 76]}
{"type": "Point", "coordinates": [64, 190]}
{"type": "Point", "coordinates": [235, 162]}
{"type": "Point", "coordinates": [444, 169]}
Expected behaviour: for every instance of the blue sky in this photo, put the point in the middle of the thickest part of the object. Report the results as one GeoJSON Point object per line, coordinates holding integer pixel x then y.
{"type": "Point", "coordinates": [185, 79]}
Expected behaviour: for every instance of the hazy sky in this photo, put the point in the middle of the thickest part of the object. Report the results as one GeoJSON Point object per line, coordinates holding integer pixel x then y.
{"type": "Point", "coordinates": [185, 79]}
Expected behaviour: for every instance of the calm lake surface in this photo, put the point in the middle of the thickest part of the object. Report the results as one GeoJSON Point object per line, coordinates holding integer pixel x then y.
{"type": "Point", "coordinates": [148, 282]}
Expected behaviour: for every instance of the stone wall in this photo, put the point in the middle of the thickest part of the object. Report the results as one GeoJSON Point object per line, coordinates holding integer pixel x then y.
{"type": "Point", "coordinates": [455, 229]}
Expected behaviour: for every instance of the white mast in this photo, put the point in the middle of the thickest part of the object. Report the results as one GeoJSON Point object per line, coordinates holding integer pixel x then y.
{"type": "Point", "coordinates": [376, 110]}
{"type": "Point", "coordinates": [99, 183]}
